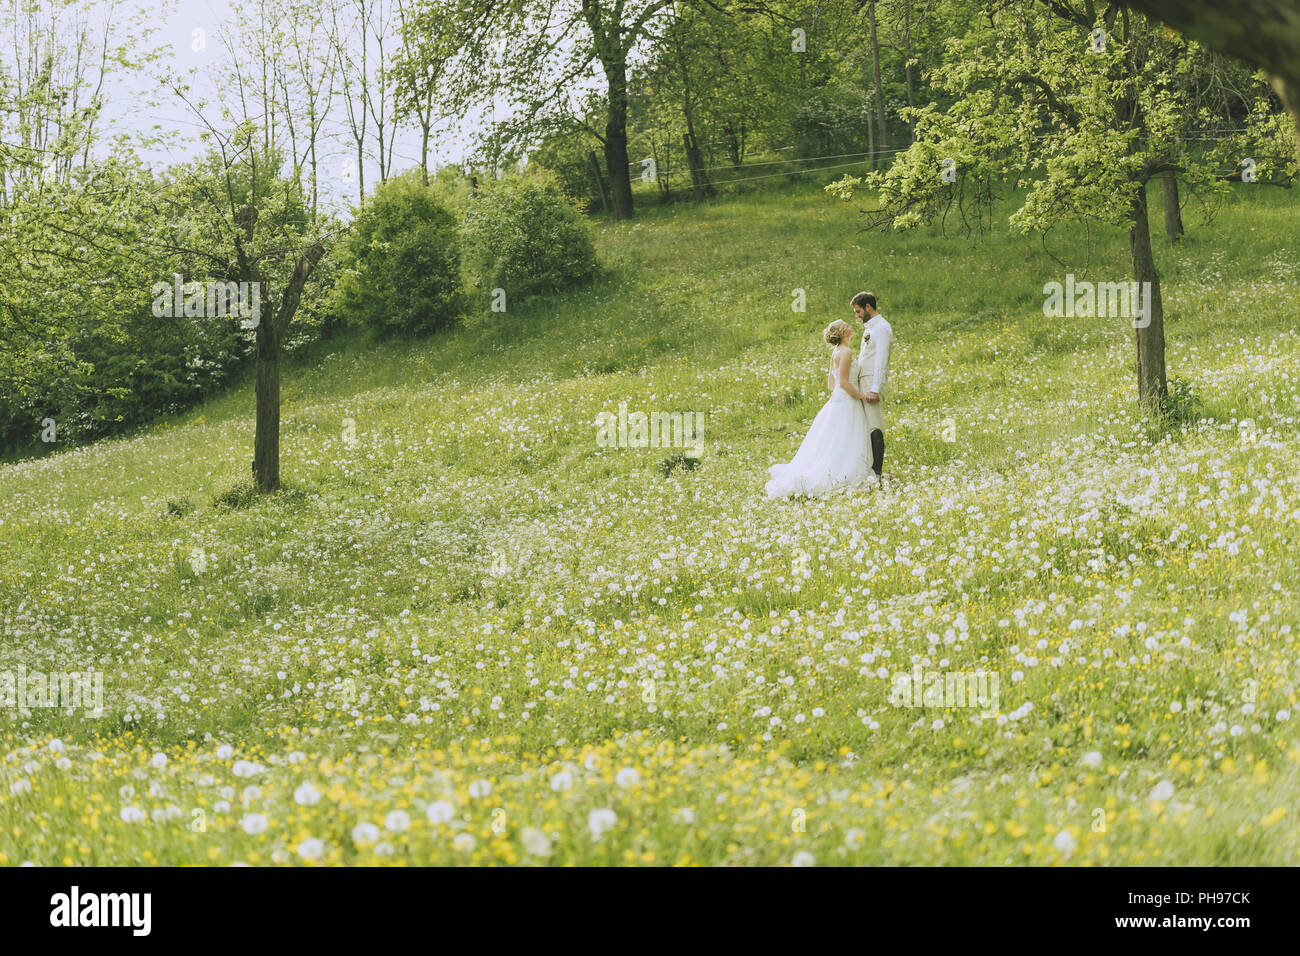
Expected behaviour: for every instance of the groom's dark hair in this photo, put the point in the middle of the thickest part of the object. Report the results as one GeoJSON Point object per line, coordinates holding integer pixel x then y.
{"type": "Point", "coordinates": [864, 299]}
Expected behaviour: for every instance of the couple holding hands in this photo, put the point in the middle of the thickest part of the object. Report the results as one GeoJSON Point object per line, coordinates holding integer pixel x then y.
{"type": "Point", "coordinates": [845, 447]}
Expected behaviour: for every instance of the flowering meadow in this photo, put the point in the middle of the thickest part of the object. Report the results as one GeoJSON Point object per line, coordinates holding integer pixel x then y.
{"type": "Point", "coordinates": [467, 633]}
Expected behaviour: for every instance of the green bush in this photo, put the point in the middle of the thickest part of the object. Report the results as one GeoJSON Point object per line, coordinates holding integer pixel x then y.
{"type": "Point", "coordinates": [524, 235]}
{"type": "Point", "coordinates": [400, 266]}
{"type": "Point", "coordinates": [1181, 405]}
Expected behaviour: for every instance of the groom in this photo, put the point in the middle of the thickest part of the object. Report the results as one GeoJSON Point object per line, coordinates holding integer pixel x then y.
{"type": "Point", "coordinates": [873, 371]}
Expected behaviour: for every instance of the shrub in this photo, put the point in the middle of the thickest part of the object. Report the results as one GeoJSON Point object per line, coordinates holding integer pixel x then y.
{"type": "Point", "coordinates": [1182, 405]}
{"type": "Point", "coordinates": [678, 460]}
{"type": "Point", "coordinates": [82, 343]}
{"type": "Point", "coordinates": [400, 266]}
{"type": "Point", "coordinates": [452, 185]}
{"type": "Point", "coordinates": [524, 235]}
{"type": "Point", "coordinates": [318, 316]}
{"type": "Point", "coordinates": [179, 507]}
{"type": "Point", "coordinates": [236, 497]}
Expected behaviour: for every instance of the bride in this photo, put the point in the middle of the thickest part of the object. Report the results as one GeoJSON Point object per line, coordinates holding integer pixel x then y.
{"type": "Point", "coordinates": [836, 454]}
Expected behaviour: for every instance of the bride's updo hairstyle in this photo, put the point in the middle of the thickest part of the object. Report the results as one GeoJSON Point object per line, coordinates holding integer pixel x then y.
{"type": "Point", "coordinates": [835, 332]}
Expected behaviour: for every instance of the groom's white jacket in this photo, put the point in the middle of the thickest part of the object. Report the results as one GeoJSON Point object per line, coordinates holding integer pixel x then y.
{"type": "Point", "coordinates": [873, 356]}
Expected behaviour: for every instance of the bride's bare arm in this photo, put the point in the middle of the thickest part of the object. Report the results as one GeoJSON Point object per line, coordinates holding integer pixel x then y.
{"type": "Point", "coordinates": [842, 363]}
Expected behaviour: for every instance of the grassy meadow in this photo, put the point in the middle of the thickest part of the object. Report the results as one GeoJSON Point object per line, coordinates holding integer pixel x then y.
{"type": "Point", "coordinates": [465, 632]}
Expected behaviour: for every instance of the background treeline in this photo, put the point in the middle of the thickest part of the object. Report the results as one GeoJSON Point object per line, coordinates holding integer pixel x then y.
{"type": "Point", "coordinates": [312, 165]}
{"type": "Point", "coordinates": [736, 93]}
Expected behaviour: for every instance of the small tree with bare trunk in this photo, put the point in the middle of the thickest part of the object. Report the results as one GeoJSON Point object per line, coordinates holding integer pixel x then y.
{"type": "Point", "coordinates": [235, 215]}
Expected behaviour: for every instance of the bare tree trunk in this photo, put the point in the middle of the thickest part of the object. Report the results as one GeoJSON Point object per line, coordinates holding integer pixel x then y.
{"type": "Point", "coordinates": [616, 158]}
{"type": "Point", "coordinates": [315, 178]}
{"type": "Point", "coordinates": [271, 329]}
{"type": "Point", "coordinates": [600, 180]}
{"type": "Point", "coordinates": [424, 152]}
{"type": "Point", "coordinates": [883, 134]}
{"type": "Point", "coordinates": [871, 139]}
{"type": "Point", "coordinates": [907, 66]}
{"type": "Point", "coordinates": [380, 21]}
{"type": "Point", "coordinates": [735, 145]}
{"type": "Point", "coordinates": [1173, 215]}
{"type": "Point", "coordinates": [357, 106]}
{"type": "Point", "coordinates": [1149, 329]}
{"type": "Point", "coordinates": [317, 89]}
{"type": "Point", "coordinates": [266, 439]}
{"type": "Point", "coordinates": [663, 165]}
{"type": "Point", "coordinates": [701, 188]}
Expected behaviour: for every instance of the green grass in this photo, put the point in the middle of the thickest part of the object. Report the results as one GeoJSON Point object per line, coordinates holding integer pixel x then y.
{"type": "Point", "coordinates": [465, 599]}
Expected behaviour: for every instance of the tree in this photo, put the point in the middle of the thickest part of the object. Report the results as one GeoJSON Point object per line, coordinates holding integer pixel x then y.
{"type": "Point", "coordinates": [882, 133]}
{"type": "Point", "coordinates": [380, 91]}
{"type": "Point", "coordinates": [1265, 33]}
{"type": "Point", "coordinates": [307, 87]}
{"type": "Point", "coordinates": [540, 56]}
{"type": "Point", "coordinates": [274, 244]}
{"type": "Point", "coordinates": [1220, 97]}
{"type": "Point", "coordinates": [735, 105]}
{"type": "Point", "coordinates": [68, 218]}
{"type": "Point", "coordinates": [71, 257]}
{"type": "Point", "coordinates": [1084, 112]}
{"type": "Point", "coordinates": [669, 95]}
{"type": "Point", "coordinates": [234, 214]}
{"type": "Point", "coordinates": [909, 64]}
{"type": "Point", "coordinates": [53, 67]}
{"type": "Point", "coordinates": [426, 53]}
{"type": "Point", "coordinates": [350, 21]}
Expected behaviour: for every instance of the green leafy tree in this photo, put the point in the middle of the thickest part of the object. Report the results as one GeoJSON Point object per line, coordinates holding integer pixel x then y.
{"type": "Point", "coordinates": [1265, 33]}
{"type": "Point", "coordinates": [428, 51]}
{"type": "Point", "coordinates": [70, 296]}
{"type": "Point", "coordinates": [1081, 107]}
{"type": "Point", "coordinates": [400, 264]}
{"type": "Point", "coordinates": [233, 216]}
{"type": "Point", "coordinates": [550, 60]}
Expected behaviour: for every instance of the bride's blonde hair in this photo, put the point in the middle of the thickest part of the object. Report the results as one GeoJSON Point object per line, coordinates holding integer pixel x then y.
{"type": "Point", "coordinates": [835, 332]}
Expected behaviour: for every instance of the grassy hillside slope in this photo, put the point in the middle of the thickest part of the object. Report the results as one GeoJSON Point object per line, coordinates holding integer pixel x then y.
{"type": "Point", "coordinates": [467, 632]}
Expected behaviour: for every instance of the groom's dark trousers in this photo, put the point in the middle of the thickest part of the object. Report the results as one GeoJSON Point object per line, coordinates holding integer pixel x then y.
{"type": "Point", "coordinates": [877, 451]}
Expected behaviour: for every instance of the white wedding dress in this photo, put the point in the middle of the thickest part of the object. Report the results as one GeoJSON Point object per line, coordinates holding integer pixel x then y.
{"type": "Point", "coordinates": [836, 453]}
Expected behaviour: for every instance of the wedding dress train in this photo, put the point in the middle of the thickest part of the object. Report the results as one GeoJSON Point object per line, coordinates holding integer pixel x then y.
{"type": "Point", "coordinates": [835, 454]}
